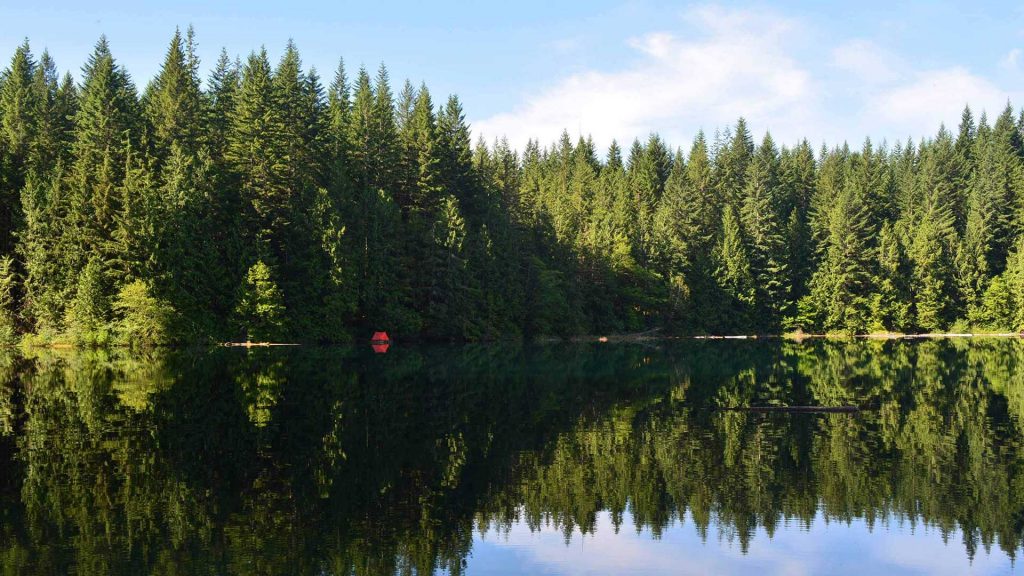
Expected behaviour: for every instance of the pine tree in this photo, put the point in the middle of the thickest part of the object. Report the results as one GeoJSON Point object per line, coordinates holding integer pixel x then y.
{"type": "Point", "coordinates": [674, 233]}
{"type": "Point", "coordinates": [964, 149]}
{"type": "Point", "coordinates": [891, 301]}
{"type": "Point", "coordinates": [106, 125]}
{"type": "Point", "coordinates": [142, 319]}
{"type": "Point", "coordinates": [797, 173]}
{"type": "Point", "coordinates": [224, 83]}
{"type": "Point", "coordinates": [173, 103]}
{"type": "Point", "coordinates": [260, 313]}
{"type": "Point", "coordinates": [8, 302]}
{"type": "Point", "coordinates": [446, 314]}
{"type": "Point", "coordinates": [645, 186]}
{"type": "Point", "coordinates": [456, 164]}
{"type": "Point", "coordinates": [89, 313]}
{"type": "Point", "coordinates": [933, 239]}
{"type": "Point", "coordinates": [734, 274]}
{"type": "Point", "coordinates": [839, 287]}
{"type": "Point", "coordinates": [49, 255]}
{"type": "Point", "coordinates": [764, 232]}
{"type": "Point", "coordinates": [338, 154]}
{"type": "Point", "coordinates": [54, 109]}
{"type": "Point", "coordinates": [19, 107]}
{"type": "Point", "coordinates": [426, 145]}
{"type": "Point", "coordinates": [258, 156]}
{"type": "Point", "coordinates": [86, 203]}
{"type": "Point", "coordinates": [385, 298]}
{"type": "Point", "coordinates": [731, 163]}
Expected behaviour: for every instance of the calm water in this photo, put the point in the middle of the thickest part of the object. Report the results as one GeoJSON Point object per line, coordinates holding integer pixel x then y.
{"type": "Point", "coordinates": [589, 459]}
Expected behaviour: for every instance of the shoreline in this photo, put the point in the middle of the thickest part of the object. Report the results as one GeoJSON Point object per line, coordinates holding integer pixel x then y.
{"type": "Point", "coordinates": [650, 336]}
{"type": "Point", "coordinates": [796, 336]}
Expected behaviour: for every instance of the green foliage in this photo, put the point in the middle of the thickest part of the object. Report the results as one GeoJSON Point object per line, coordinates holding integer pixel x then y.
{"type": "Point", "coordinates": [374, 212]}
{"type": "Point", "coordinates": [1003, 303]}
{"type": "Point", "coordinates": [734, 274]}
{"type": "Point", "coordinates": [141, 320]}
{"type": "Point", "coordinates": [8, 286]}
{"type": "Point", "coordinates": [88, 316]}
{"type": "Point", "coordinates": [890, 300]}
{"type": "Point", "coordinates": [839, 288]}
{"type": "Point", "coordinates": [260, 313]}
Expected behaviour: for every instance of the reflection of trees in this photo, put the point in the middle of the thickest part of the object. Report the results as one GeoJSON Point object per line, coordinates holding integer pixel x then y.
{"type": "Point", "coordinates": [323, 461]}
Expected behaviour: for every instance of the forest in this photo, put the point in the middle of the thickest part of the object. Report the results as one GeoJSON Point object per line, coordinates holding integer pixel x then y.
{"type": "Point", "coordinates": [265, 203]}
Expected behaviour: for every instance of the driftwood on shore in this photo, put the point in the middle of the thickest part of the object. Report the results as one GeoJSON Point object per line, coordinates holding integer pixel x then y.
{"type": "Point", "coordinates": [248, 344]}
{"type": "Point", "coordinates": [794, 409]}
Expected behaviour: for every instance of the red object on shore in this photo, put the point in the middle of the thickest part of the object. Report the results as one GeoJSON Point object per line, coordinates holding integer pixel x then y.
{"type": "Point", "coordinates": [380, 337]}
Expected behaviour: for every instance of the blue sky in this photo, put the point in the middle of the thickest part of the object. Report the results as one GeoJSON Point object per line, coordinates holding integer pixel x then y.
{"type": "Point", "coordinates": [892, 546]}
{"type": "Point", "coordinates": [613, 69]}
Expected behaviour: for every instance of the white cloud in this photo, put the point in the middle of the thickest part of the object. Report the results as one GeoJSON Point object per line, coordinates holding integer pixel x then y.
{"type": "Point", "coordinates": [720, 64]}
{"type": "Point", "coordinates": [739, 67]}
{"type": "Point", "coordinates": [794, 549]}
{"type": "Point", "coordinates": [920, 103]}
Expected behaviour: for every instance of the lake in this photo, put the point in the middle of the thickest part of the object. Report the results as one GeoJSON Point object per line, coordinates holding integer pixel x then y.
{"type": "Point", "coordinates": [516, 459]}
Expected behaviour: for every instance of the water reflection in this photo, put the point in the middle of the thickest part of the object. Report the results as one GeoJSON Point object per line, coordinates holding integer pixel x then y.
{"type": "Point", "coordinates": [331, 461]}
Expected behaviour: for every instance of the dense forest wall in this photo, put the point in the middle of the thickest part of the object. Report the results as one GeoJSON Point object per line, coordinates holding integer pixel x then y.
{"type": "Point", "coordinates": [261, 204]}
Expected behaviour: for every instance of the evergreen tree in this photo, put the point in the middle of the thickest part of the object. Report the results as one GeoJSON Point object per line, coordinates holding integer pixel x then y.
{"type": "Point", "coordinates": [8, 311]}
{"type": "Point", "coordinates": [731, 163]}
{"type": "Point", "coordinates": [142, 319]}
{"type": "Point", "coordinates": [446, 315]}
{"type": "Point", "coordinates": [384, 295]}
{"type": "Point", "coordinates": [645, 187]}
{"type": "Point", "coordinates": [173, 104]}
{"type": "Point", "coordinates": [797, 172]}
{"type": "Point", "coordinates": [764, 232]}
{"type": "Point", "coordinates": [224, 83]}
{"type": "Point", "coordinates": [89, 312]}
{"type": "Point", "coordinates": [839, 287]}
{"type": "Point", "coordinates": [891, 301]}
{"type": "Point", "coordinates": [260, 313]}
{"type": "Point", "coordinates": [932, 242]}
{"type": "Point", "coordinates": [734, 273]}
{"type": "Point", "coordinates": [19, 106]}
{"type": "Point", "coordinates": [258, 156]}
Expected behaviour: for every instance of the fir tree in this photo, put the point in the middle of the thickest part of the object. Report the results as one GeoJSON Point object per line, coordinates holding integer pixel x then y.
{"type": "Point", "coordinates": [260, 313]}
{"type": "Point", "coordinates": [19, 106]}
{"type": "Point", "coordinates": [764, 232]}
{"type": "Point", "coordinates": [734, 273]}
{"type": "Point", "coordinates": [173, 103]}
{"type": "Point", "coordinates": [839, 287]}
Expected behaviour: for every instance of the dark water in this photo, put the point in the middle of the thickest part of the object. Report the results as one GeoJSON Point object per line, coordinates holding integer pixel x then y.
{"type": "Point", "coordinates": [590, 459]}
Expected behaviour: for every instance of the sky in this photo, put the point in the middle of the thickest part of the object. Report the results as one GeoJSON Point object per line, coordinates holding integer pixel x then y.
{"type": "Point", "coordinates": [836, 548]}
{"type": "Point", "coordinates": [608, 69]}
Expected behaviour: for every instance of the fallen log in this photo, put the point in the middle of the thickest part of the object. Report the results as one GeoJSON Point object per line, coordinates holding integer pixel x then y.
{"type": "Point", "coordinates": [794, 409]}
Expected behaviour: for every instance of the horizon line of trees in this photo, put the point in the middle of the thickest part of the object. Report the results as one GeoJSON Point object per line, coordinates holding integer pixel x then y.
{"type": "Point", "coordinates": [265, 205]}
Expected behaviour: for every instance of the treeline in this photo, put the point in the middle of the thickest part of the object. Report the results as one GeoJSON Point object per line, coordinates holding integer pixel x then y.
{"type": "Point", "coordinates": [263, 204]}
